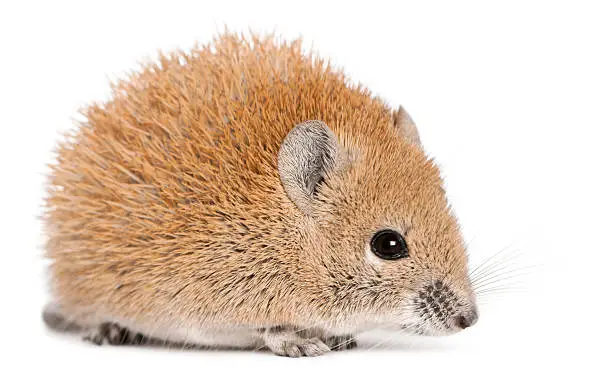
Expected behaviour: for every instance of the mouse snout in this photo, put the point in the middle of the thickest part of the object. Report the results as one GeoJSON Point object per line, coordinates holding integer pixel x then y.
{"type": "Point", "coordinates": [466, 319]}
{"type": "Point", "coordinates": [444, 310]}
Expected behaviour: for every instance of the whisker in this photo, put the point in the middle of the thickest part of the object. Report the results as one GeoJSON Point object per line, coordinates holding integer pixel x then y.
{"type": "Point", "coordinates": [498, 267]}
{"type": "Point", "coordinates": [482, 264]}
{"type": "Point", "coordinates": [507, 268]}
{"type": "Point", "coordinates": [499, 278]}
{"type": "Point", "coordinates": [493, 264]}
{"type": "Point", "coordinates": [497, 290]}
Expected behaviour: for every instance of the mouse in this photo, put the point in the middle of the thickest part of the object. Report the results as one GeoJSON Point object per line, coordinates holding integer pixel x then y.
{"type": "Point", "coordinates": [247, 194]}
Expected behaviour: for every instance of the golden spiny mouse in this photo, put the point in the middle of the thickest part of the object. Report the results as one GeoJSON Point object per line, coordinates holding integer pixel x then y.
{"type": "Point", "coordinates": [246, 194]}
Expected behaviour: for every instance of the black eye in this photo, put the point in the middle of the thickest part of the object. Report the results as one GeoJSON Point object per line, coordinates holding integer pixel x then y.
{"type": "Point", "coordinates": [389, 245]}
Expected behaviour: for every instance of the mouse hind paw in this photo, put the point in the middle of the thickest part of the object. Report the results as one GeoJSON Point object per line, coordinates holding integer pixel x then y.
{"type": "Point", "coordinates": [57, 320]}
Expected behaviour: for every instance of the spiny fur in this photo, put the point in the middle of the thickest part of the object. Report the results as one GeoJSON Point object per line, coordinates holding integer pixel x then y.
{"type": "Point", "coordinates": [165, 207]}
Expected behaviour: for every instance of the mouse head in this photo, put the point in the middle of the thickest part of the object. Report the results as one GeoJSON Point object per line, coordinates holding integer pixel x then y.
{"type": "Point", "coordinates": [380, 245]}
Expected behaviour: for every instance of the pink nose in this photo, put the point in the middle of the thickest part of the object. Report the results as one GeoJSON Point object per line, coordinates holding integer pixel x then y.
{"type": "Point", "coordinates": [464, 320]}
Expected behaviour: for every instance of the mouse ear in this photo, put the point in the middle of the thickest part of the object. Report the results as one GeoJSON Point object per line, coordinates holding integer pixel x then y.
{"type": "Point", "coordinates": [403, 122]}
{"type": "Point", "coordinates": [309, 153]}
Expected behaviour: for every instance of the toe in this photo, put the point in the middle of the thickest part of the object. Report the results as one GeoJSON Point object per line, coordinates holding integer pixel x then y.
{"type": "Point", "coordinates": [292, 350]}
{"type": "Point", "coordinates": [94, 337]}
{"type": "Point", "coordinates": [314, 347]}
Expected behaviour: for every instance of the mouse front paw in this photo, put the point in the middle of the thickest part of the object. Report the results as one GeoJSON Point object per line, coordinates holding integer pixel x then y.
{"type": "Point", "coordinates": [285, 341]}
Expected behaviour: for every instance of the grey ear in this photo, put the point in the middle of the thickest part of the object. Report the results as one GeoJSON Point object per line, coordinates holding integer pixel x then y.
{"type": "Point", "coordinates": [406, 126]}
{"type": "Point", "coordinates": [307, 155]}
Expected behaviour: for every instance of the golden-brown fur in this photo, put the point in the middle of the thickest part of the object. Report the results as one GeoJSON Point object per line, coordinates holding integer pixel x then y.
{"type": "Point", "coordinates": [166, 212]}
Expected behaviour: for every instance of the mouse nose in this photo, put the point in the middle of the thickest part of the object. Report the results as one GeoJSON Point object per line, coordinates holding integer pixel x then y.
{"type": "Point", "coordinates": [465, 320]}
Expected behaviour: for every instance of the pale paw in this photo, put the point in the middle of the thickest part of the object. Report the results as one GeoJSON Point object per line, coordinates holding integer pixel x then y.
{"type": "Point", "coordinates": [303, 347]}
{"type": "Point", "coordinates": [286, 342]}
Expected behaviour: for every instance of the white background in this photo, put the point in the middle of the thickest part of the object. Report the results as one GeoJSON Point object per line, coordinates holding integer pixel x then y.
{"type": "Point", "coordinates": [513, 100]}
